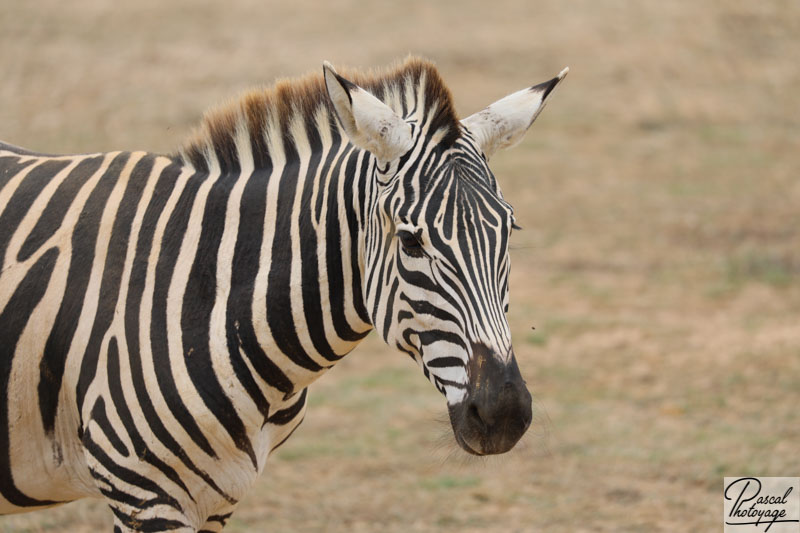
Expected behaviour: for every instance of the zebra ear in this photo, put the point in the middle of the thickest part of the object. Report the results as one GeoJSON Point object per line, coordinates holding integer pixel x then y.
{"type": "Point", "coordinates": [504, 123]}
{"type": "Point", "coordinates": [370, 124]}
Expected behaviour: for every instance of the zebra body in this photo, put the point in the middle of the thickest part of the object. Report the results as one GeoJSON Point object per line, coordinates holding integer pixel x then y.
{"type": "Point", "coordinates": [161, 317]}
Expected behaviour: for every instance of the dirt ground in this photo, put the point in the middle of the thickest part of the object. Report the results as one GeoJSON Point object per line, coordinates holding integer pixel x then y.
{"type": "Point", "coordinates": [659, 264]}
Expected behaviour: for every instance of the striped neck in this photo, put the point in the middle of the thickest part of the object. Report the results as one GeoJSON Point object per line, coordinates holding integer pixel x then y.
{"type": "Point", "coordinates": [301, 217]}
{"type": "Point", "coordinates": [306, 198]}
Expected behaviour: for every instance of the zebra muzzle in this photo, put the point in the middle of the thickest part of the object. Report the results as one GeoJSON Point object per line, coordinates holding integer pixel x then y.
{"type": "Point", "coordinates": [496, 411]}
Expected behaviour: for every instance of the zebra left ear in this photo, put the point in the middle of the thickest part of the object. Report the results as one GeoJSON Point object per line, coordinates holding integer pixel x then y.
{"type": "Point", "coordinates": [504, 123]}
{"type": "Point", "coordinates": [370, 124]}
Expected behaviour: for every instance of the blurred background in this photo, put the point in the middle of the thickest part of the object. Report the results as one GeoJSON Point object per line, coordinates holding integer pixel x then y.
{"type": "Point", "coordinates": [659, 263]}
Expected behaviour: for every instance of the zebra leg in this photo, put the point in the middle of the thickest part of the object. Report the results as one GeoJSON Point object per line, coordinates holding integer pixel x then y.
{"type": "Point", "coordinates": [136, 498]}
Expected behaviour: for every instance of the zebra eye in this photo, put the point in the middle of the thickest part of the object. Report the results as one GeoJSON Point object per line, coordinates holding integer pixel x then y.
{"type": "Point", "coordinates": [411, 243]}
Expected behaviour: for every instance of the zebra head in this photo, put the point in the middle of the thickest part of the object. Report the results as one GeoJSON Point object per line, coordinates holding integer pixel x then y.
{"type": "Point", "coordinates": [434, 252]}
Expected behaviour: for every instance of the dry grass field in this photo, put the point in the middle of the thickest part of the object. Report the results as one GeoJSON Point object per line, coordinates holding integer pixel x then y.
{"type": "Point", "coordinates": [659, 264]}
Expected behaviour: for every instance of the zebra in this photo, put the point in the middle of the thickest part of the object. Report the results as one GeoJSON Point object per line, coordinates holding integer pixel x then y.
{"type": "Point", "coordinates": [162, 316]}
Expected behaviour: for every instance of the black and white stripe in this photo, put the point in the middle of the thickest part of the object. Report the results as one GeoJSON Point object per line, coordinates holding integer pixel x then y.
{"type": "Point", "coordinates": [162, 316]}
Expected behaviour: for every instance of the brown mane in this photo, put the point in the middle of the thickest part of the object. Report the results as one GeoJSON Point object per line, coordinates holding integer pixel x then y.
{"type": "Point", "coordinates": [303, 97]}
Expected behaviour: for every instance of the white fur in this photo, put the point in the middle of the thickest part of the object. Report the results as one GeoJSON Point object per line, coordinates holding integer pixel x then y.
{"type": "Point", "coordinates": [370, 124]}
{"type": "Point", "coordinates": [504, 123]}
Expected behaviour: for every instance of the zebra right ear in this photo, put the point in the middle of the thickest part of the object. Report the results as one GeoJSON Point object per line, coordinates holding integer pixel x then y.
{"type": "Point", "coordinates": [370, 124]}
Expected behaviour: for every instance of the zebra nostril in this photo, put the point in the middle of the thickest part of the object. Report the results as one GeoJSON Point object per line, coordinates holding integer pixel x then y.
{"type": "Point", "coordinates": [482, 415]}
{"type": "Point", "coordinates": [475, 414]}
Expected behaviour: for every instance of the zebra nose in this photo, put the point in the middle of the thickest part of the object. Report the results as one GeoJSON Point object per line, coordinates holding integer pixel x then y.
{"type": "Point", "coordinates": [496, 421]}
{"type": "Point", "coordinates": [496, 411]}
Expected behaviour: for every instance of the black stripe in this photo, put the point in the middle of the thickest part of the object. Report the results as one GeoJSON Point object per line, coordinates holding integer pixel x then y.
{"type": "Point", "coordinates": [52, 216]}
{"type": "Point", "coordinates": [221, 518]}
{"type": "Point", "coordinates": [424, 307]}
{"type": "Point", "coordinates": [13, 320]}
{"type": "Point", "coordinates": [444, 362]}
{"type": "Point", "coordinates": [441, 383]}
{"type": "Point", "coordinates": [336, 141]}
{"type": "Point", "coordinates": [10, 166]}
{"type": "Point", "coordinates": [387, 319]}
{"type": "Point", "coordinates": [284, 416]}
{"type": "Point", "coordinates": [147, 525]}
{"type": "Point", "coordinates": [24, 195]}
{"type": "Point", "coordinates": [100, 417]}
{"type": "Point", "coordinates": [227, 155]}
{"type": "Point", "coordinates": [430, 337]}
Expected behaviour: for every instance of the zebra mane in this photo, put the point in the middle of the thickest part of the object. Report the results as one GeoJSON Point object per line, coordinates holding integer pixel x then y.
{"type": "Point", "coordinates": [302, 98]}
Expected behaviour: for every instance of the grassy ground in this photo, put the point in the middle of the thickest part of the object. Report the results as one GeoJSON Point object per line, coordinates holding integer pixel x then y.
{"type": "Point", "coordinates": [660, 262]}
